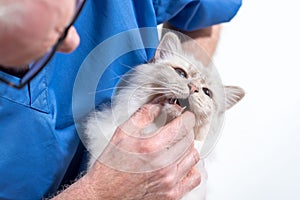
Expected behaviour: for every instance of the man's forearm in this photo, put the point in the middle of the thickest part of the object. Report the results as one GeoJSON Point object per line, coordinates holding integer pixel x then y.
{"type": "Point", "coordinates": [81, 189]}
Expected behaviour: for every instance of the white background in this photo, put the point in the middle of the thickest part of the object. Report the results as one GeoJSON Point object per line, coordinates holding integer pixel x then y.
{"type": "Point", "coordinates": [258, 155]}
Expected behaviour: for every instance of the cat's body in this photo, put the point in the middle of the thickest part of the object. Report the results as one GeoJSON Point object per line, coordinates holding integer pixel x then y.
{"type": "Point", "coordinates": [173, 76]}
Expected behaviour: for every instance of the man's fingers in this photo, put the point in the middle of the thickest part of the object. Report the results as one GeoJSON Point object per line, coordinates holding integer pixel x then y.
{"type": "Point", "coordinates": [163, 148]}
{"type": "Point", "coordinates": [174, 137]}
{"type": "Point", "coordinates": [172, 133]}
{"type": "Point", "coordinates": [141, 119]}
{"type": "Point", "coordinates": [128, 135]}
{"type": "Point", "coordinates": [171, 145]}
{"type": "Point", "coordinates": [188, 162]}
{"type": "Point", "coordinates": [188, 183]}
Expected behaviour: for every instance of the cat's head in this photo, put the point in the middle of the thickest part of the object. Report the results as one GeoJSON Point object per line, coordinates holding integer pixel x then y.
{"type": "Point", "coordinates": [187, 82]}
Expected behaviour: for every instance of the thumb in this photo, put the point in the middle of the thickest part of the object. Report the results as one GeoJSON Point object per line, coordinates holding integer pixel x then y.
{"type": "Point", "coordinates": [141, 119]}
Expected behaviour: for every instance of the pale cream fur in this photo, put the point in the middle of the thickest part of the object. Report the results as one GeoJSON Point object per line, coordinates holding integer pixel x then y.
{"type": "Point", "coordinates": [161, 81]}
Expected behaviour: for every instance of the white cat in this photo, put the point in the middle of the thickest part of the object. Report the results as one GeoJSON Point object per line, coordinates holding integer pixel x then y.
{"type": "Point", "coordinates": [175, 79]}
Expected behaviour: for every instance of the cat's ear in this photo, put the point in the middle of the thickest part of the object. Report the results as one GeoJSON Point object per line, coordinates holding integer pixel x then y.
{"type": "Point", "coordinates": [233, 94]}
{"type": "Point", "coordinates": [169, 45]}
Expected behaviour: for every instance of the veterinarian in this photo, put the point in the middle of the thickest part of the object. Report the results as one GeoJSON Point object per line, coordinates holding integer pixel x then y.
{"type": "Point", "coordinates": [40, 149]}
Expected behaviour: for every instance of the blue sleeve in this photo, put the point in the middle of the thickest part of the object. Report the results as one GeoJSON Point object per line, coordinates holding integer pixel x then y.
{"type": "Point", "coordinates": [195, 14]}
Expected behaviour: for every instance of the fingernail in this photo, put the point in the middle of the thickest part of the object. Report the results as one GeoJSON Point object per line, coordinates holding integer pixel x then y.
{"type": "Point", "coordinates": [196, 156]}
{"type": "Point", "coordinates": [155, 109]}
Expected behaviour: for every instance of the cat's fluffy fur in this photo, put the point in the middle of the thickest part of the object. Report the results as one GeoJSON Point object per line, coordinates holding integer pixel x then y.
{"type": "Point", "coordinates": [173, 74]}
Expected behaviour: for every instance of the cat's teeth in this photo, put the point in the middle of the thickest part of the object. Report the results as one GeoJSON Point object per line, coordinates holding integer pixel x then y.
{"type": "Point", "coordinates": [172, 101]}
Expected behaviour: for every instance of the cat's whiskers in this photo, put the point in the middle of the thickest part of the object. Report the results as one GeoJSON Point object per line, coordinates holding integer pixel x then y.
{"type": "Point", "coordinates": [139, 71]}
{"type": "Point", "coordinates": [154, 90]}
{"type": "Point", "coordinates": [133, 69]}
{"type": "Point", "coordinates": [150, 88]}
{"type": "Point", "coordinates": [128, 66]}
{"type": "Point", "coordinates": [118, 76]}
{"type": "Point", "coordinates": [127, 77]}
{"type": "Point", "coordinates": [111, 88]}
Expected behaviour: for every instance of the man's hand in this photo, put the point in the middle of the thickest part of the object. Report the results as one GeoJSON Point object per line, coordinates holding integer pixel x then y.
{"type": "Point", "coordinates": [164, 162]}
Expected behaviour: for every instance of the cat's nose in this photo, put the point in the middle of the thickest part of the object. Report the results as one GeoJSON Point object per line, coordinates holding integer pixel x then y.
{"type": "Point", "coordinates": [193, 88]}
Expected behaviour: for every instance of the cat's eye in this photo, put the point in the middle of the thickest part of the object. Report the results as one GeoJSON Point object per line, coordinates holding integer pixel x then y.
{"type": "Point", "coordinates": [181, 72]}
{"type": "Point", "coordinates": [208, 92]}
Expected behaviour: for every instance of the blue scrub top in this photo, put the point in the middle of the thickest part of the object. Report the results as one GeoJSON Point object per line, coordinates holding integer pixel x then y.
{"type": "Point", "coordinates": [38, 139]}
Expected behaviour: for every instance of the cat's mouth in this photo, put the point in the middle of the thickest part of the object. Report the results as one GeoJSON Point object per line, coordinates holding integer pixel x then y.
{"type": "Point", "coordinates": [176, 103]}
{"type": "Point", "coordinates": [180, 104]}
{"type": "Point", "coordinates": [184, 103]}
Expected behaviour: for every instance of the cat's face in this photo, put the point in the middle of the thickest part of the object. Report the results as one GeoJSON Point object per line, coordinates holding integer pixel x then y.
{"type": "Point", "coordinates": [180, 83]}
{"type": "Point", "coordinates": [190, 84]}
